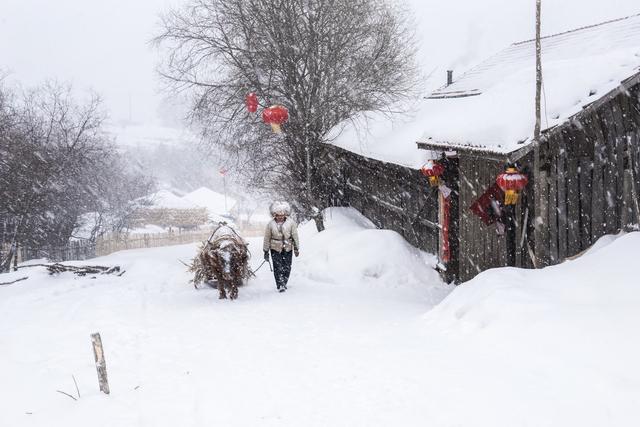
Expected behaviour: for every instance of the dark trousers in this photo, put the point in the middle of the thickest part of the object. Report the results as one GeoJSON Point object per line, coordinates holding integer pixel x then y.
{"type": "Point", "coordinates": [281, 266]}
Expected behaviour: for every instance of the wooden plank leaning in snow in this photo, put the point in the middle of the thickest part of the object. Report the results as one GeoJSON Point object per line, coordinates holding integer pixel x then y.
{"type": "Point", "coordinates": [101, 365]}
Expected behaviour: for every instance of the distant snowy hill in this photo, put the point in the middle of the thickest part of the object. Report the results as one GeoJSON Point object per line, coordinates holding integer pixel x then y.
{"type": "Point", "coordinates": [174, 157]}
{"type": "Point", "coordinates": [147, 136]}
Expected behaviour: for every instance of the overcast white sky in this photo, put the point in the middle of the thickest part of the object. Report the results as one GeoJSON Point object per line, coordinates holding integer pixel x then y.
{"type": "Point", "coordinates": [103, 44]}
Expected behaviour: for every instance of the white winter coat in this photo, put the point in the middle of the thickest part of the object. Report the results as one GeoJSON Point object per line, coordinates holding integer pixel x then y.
{"type": "Point", "coordinates": [281, 236]}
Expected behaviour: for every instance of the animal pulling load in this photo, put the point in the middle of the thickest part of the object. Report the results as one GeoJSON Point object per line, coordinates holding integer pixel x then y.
{"type": "Point", "coordinates": [222, 260]}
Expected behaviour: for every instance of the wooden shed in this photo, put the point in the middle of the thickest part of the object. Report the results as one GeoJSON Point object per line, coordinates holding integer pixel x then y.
{"type": "Point", "coordinates": [584, 171]}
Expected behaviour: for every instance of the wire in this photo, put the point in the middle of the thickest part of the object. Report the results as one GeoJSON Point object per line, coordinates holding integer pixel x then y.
{"type": "Point", "coordinates": [544, 97]}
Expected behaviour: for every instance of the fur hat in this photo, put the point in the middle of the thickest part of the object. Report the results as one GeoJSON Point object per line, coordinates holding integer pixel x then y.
{"type": "Point", "coordinates": [280, 208]}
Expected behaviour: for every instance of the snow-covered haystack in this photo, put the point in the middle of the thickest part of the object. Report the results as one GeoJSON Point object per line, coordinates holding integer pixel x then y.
{"type": "Point", "coordinates": [352, 250]}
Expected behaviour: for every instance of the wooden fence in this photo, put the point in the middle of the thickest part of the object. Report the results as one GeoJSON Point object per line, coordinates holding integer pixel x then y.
{"type": "Point", "coordinates": [75, 250]}
{"type": "Point", "coordinates": [110, 243]}
{"type": "Point", "coordinates": [113, 243]}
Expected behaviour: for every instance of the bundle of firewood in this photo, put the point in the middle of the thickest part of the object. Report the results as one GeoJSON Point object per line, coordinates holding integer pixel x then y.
{"type": "Point", "coordinates": [202, 272]}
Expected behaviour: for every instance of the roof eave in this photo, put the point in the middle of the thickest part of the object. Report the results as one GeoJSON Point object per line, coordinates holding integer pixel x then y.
{"type": "Point", "coordinates": [478, 152]}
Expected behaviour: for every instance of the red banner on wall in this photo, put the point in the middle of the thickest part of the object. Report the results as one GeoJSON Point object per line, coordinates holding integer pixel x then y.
{"type": "Point", "coordinates": [444, 213]}
{"type": "Point", "coordinates": [488, 207]}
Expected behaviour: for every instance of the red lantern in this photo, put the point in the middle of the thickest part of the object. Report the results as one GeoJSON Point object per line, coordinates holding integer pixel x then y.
{"type": "Point", "coordinates": [252, 102]}
{"type": "Point", "coordinates": [433, 170]}
{"type": "Point", "coordinates": [275, 115]}
{"type": "Point", "coordinates": [511, 182]}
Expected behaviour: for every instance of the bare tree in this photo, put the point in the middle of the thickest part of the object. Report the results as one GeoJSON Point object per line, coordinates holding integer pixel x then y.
{"type": "Point", "coordinates": [56, 165]}
{"type": "Point", "coordinates": [121, 191]}
{"type": "Point", "coordinates": [325, 60]}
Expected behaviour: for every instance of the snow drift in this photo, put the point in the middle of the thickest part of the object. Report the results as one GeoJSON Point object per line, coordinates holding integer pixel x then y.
{"type": "Point", "coordinates": [565, 336]}
{"type": "Point", "coordinates": [599, 289]}
{"type": "Point", "coordinates": [351, 250]}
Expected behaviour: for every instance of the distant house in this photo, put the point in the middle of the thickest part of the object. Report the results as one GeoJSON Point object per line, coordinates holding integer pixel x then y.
{"type": "Point", "coordinates": [584, 172]}
{"type": "Point", "coordinates": [200, 207]}
{"type": "Point", "coordinates": [170, 211]}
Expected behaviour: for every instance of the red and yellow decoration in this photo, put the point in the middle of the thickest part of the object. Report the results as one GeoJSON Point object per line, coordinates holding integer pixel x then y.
{"type": "Point", "coordinates": [275, 115]}
{"type": "Point", "coordinates": [512, 182]}
{"type": "Point", "coordinates": [251, 102]}
{"type": "Point", "coordinates": [433, 170]}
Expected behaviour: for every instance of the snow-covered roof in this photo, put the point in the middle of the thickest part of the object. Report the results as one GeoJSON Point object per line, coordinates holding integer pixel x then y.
{"type": "Point", "coordinates": [491, 107]}
{"type": "Point", "coordinates": [167, 200]}
{"type": "Point", "coordinates": [212, 200]}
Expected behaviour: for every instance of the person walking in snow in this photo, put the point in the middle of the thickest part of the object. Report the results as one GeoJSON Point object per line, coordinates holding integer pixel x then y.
{"type": "Point", "coordinates": [281, 240]}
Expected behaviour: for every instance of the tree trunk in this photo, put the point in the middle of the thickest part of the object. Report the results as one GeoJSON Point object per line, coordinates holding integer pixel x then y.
{"type": "Point", "coordinates": [318, 218]}
{"type": "Point", "coordinates": [15, 258]}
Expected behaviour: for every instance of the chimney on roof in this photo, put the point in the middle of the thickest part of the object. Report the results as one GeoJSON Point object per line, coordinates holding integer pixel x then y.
{"type": "Point", "coordinates": [449, 77]}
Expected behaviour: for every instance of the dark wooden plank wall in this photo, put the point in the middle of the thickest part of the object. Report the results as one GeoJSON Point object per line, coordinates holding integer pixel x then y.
{"type": "Point", "coordinates": [391, 196]}
{"type": "Point", "coordinates": [480, 246]}
{"type": "Point", "coordinates": [590, 168]}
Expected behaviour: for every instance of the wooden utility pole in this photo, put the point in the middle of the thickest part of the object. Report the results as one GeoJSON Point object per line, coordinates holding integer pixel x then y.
{"type": "Point", "coordinates": [536, 132]}
{"type": "Point", "coordinates": [539, 177]}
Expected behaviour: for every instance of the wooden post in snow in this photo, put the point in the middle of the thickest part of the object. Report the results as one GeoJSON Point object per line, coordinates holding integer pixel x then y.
{"type": "Point", "coordinates": [101, 365]}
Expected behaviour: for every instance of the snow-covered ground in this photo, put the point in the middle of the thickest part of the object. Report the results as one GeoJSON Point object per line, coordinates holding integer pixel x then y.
{"type": "Point", "coordinates": [353, 342]}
